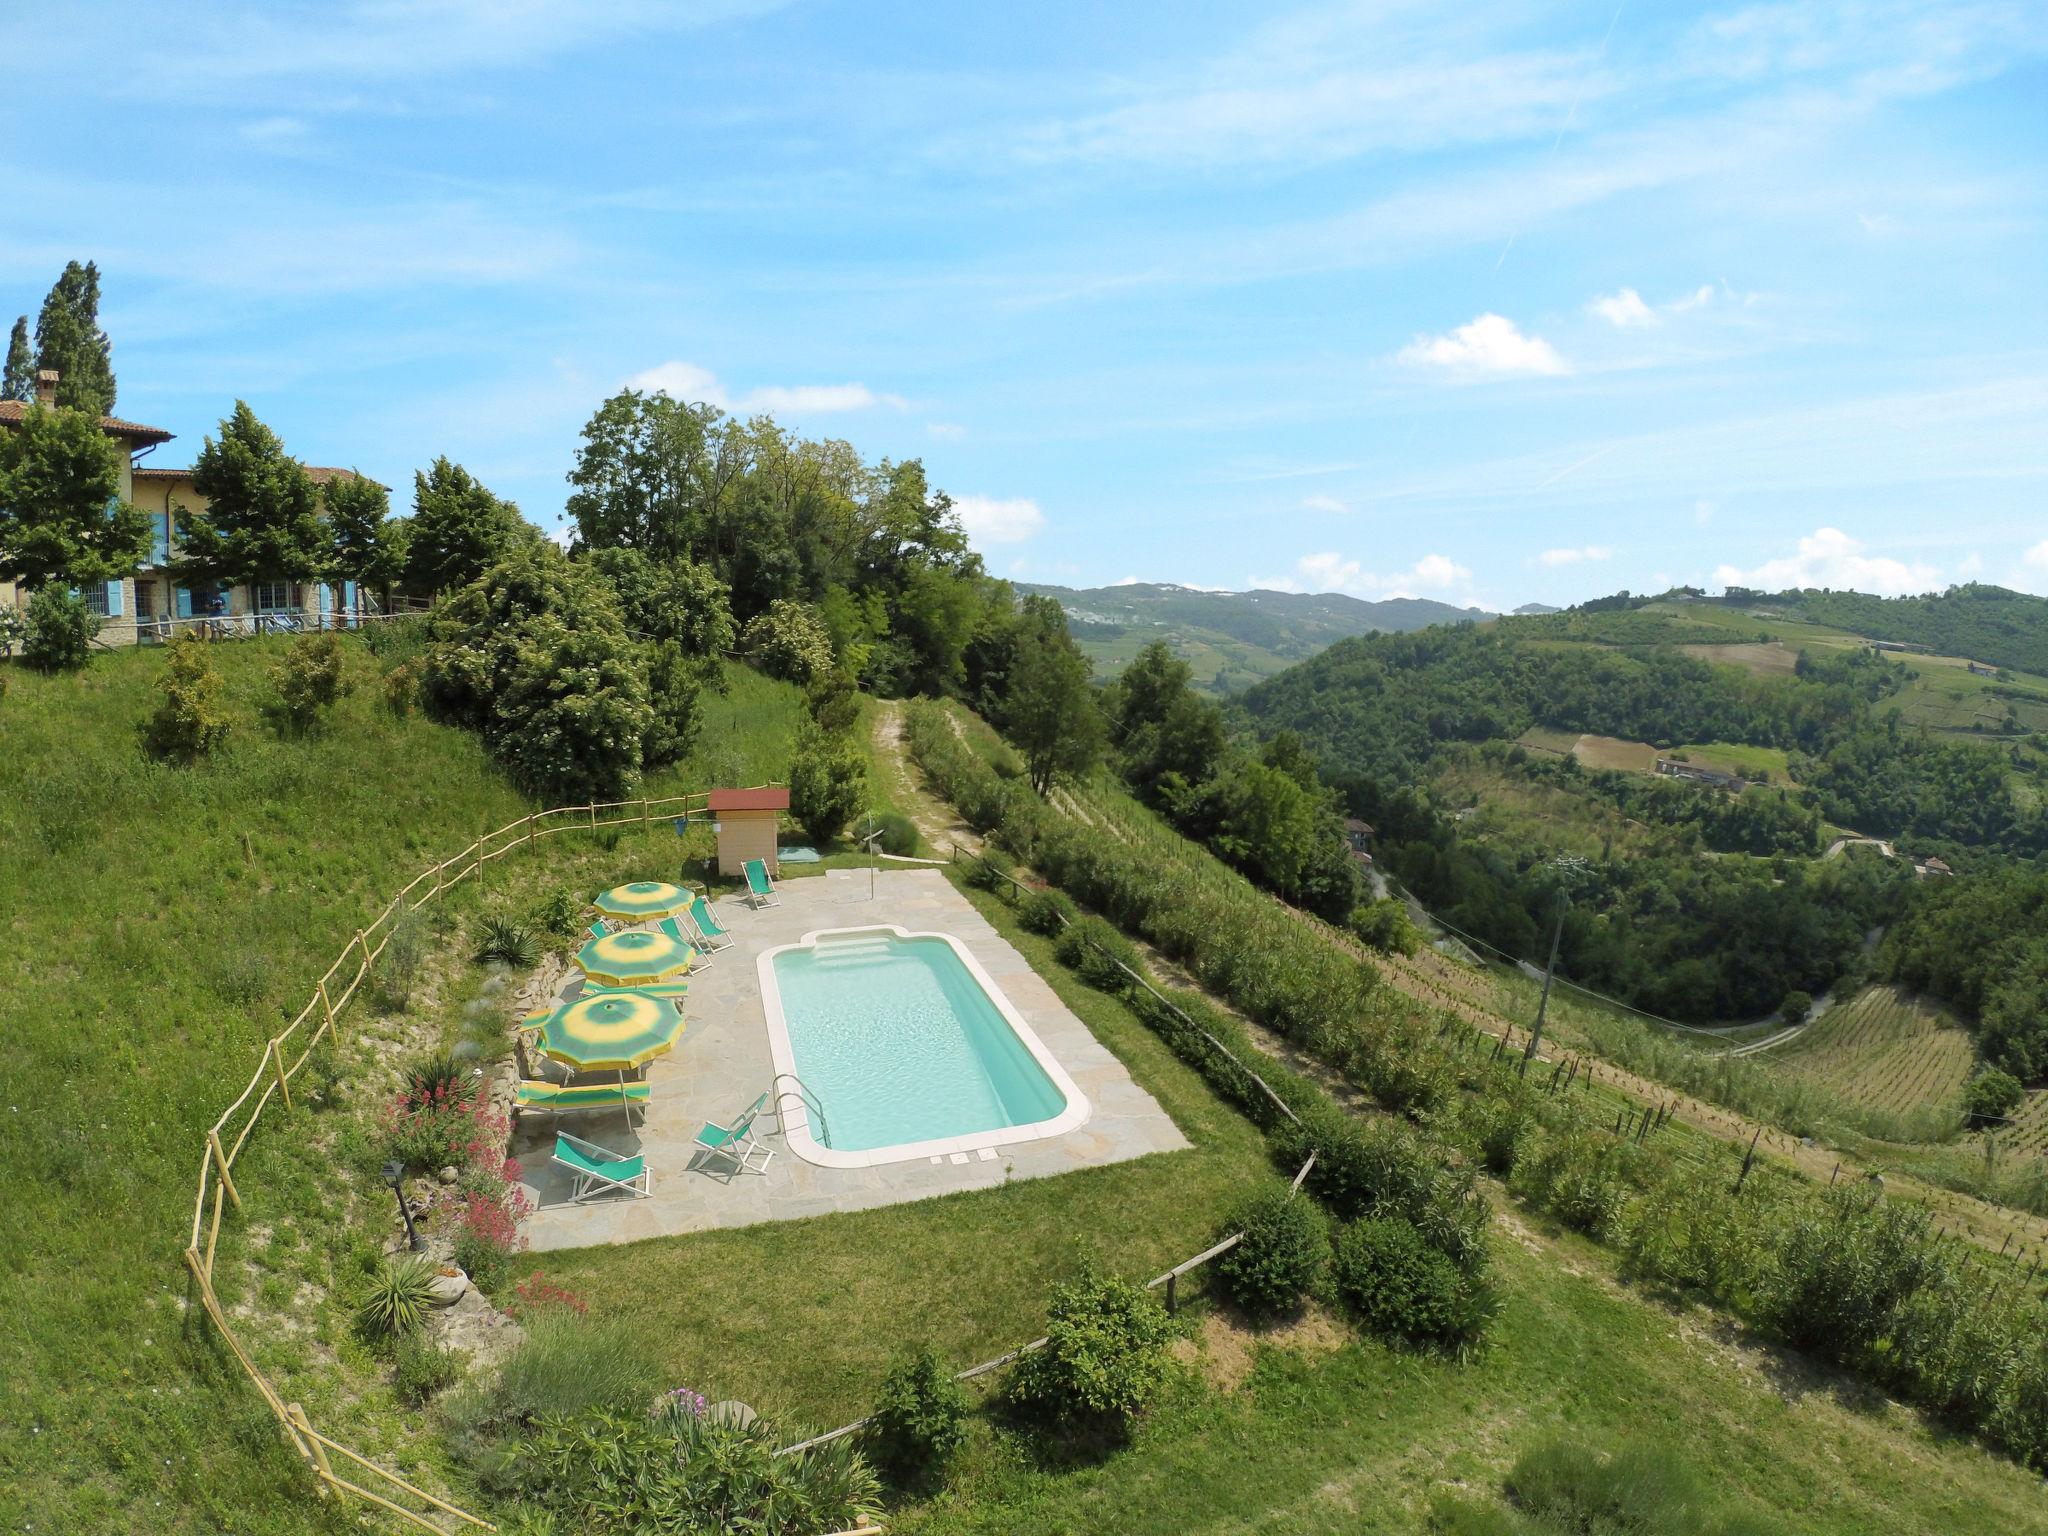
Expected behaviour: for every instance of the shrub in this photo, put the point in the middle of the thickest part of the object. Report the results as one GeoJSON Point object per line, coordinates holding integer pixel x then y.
{"type": "Point", "coordinates": [402, 685]}
{"type": "Point", "coordinates": [395, 1299]}
{"type": "Point", "coordinates": [988, 872]}
{"type": "Point", "coordinates": [788, 640]}
{"type": "Point", "coordinates": [570, 1364]}
{"type": "Point", "coordinates": [486, 1237]}
{"type": "Point", "coordinates": [422, 1369]}
{"type": "Point", "coordinates": [1285, 1248]}
{"type": "Point", "coordinates": [828, 783]}
{"type": "Point", "coordinates": [1992, 1095]}
{"type": "Point", "coordinates": [1386, 927]}
{"type": "Point", "coordinates": [1104, 1359]}
{"type": "Point", "coordinates": [1638, 1490]}
{"type": "Point", "coordinates": [1796, 1007]}
{"type": "Point", "coordinates": [1047, 912]}
{"type": "Point", "coordinates": [310, 681]}
{"type": "Point", "coordinates": [618, 1470]}
{"type": "Point", "coordinates": [899, 833]}
{"type": "Point", "coordinates": [1095, 951]}
{"type": "Point", "coordinates": [674, 683]}
{"type": "Point", "coordinates": [559, 913]}
{"type": "Point", "coordinates": [401, 960]}
{"type": "Point", "coordinates": [1582, 1177]}
{"type": "Point", "coordinates": [1500, 1125]}
{"type": "Point", "coordinates": [188, 722]}
{"type": "Point", "coordinates": [1846, 1263]}
{"type": "Point", "coordinates": [60, 630]}
{"type": "Point", "coordinates": [1401, 1288]}
{"type": "Point", "coordinates": [441, 1078]}
{"type": "Point", "coordinates": [919, 1419]}
{"type": "Point", "coordinates": [507, 940]}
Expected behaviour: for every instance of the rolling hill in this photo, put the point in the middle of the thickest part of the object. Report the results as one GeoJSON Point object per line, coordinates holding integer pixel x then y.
{"type": "Point", "coordinates": [1232, 639]}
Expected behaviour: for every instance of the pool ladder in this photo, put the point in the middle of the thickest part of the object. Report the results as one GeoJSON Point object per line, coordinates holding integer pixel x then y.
{"type": "Point", "coordinates": [806, 1096]}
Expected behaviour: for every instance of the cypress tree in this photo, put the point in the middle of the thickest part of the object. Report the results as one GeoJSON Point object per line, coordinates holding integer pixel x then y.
{"type": "Point", "coordinates": [69, 339]}
{"type": "Point", "coordinates": [19, 381]}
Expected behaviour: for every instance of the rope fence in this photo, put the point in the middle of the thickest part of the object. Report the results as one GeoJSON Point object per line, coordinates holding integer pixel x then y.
{"type": "Point", "coordinates": [288, 1051]}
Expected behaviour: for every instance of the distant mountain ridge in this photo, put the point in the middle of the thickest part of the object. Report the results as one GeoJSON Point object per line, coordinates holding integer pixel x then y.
{"type": "Point", "coordinates": [1232, 639]}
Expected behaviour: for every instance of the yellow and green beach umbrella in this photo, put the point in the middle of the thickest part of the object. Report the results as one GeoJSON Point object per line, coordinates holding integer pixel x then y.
{"type": "Point", "coordinates": [643, 900]}
{"type": "Point", "coordinates": [635, 958]}
{"type": "Point", "coordinates": [612, 1029]}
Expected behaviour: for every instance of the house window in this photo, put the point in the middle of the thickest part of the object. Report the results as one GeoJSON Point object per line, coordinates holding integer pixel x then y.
{"type": "Point", "coordinates": [274, 597]}
{"type": "Point", "coordinates": [145, 600]}
{"type": "Point", "coordinates": [95, 595]}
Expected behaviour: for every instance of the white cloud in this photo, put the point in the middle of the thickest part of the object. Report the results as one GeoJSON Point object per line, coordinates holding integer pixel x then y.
{"type": "Point", "coordinates": [1972, 564]}
{"type": "Point", "coordinates": [1328, 571]}
{"type": "Point", "coordinates": [1828, 557]}
{"type": "Point", "coordinates": [990, 521]}
{"type": "Point", "coordinates": [1556, 557]}
{"type": "Point", "coordinates": [1625, 308]}
{"type": "Point", "coordinates": [1322, 504]}
{"type": "Point", "coordinates": [2037, 557]}
{"type": "Point", "coordinates": [946, 431]}
{"type": "Point", "coordinates": [688, 381]}
{"type": "Point", "coordinates": [1490, 345]}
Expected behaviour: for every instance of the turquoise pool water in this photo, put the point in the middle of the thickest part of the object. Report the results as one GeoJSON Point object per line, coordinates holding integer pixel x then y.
{"type": "Point", "coordinates": [898, 1040]}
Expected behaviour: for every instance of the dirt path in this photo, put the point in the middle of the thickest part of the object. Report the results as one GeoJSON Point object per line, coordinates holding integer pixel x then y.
{"type": "Point", "coordinates": [936, 820]}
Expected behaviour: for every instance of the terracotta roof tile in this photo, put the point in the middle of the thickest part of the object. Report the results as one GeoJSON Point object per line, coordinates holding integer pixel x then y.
{"type": "Point", "coordinates": [13, 411]}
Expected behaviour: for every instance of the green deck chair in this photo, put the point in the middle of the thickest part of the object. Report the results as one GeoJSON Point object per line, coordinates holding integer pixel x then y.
{"type": "Point", "coordinates": [735, 1144]}
{"type": "Point", "coordinates": [598, 1171]}
{"type": "Point", "coordinates": [538, 1096]}
{"type": "Point", "coordinates": [759, 887]}
{"type": "Point", "coordinates": [674, 929]}
{"type": "Point", "coordinates": [710, 936]}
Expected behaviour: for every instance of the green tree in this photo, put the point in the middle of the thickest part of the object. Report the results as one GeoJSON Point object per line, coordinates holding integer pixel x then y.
{"type": "Point", "coordinates": [364, 545]}
{"type": "Point", "coordinates": [1162, 726]}
{"type": "Point", "coordinates": [61, 516]}
{"type": "Point", "coordinates": [1050, 713]}
{"type": "Point", "coordinates": [676, 600]}
{"type": "Point", "coordinates": [310, 681]}
{"type": "Point", "coordinates": [535, 656]}
{"type": "Point", "coordinates": [69, 340]}
{"type": "Point", "coordinates": [262, 519]}
{"type": "Point", "coordinates": [1992, 1095]}
{"type": "Point", "coordinates": [458, 530]}
{"type": "Point", "coordinates": [674, 682]}
{"type": "Point", "coordinates": [1796, 1007]}
{"type": "Point", "coordinates": [18, 382]}
{"type": "Point", "coordinates": [828, 782]}
{"type": "Point", "coordinates": [651, 475]}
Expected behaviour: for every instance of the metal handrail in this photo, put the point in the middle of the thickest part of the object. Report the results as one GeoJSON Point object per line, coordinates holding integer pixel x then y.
{"type": "Point", "coordinates": [806, 1096]}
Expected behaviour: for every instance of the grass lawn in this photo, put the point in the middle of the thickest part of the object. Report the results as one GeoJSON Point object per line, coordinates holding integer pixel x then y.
{"type": "Point", "coordinates": [801, 1318]}
{"type": "Point", "coordinates": [161, 924]}
{"type": "Point", "coordinates": [1360, 1439]}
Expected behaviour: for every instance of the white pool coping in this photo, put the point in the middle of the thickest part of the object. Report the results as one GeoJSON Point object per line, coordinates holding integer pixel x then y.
{"type": "Point", "coordinates": [796, 1121]}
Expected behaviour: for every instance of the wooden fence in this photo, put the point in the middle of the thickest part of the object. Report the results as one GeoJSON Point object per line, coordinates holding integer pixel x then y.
{"type": "Point", "coordinates": [283, 1058]}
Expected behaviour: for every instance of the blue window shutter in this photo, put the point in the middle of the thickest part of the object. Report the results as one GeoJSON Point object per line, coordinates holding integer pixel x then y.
{"type": "Point", "coordinates": [113, 599]}
{"type": "Point", "coordinates": [348, 595]}
{"type": "Point", "coordinates": [184, 603]}
{"type": "Point", "coordinates": [326, 598]}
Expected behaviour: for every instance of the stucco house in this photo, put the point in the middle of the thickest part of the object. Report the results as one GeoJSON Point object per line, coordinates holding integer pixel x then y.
{"type": "Point", "coordinates": [144, 605]}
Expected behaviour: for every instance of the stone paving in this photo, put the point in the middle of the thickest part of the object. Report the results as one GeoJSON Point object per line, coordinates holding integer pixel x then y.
{"type": "Point", "coordinates": [722, 1064]}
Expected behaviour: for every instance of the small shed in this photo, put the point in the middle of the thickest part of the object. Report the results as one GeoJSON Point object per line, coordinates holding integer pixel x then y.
{"type": "Point", "coordinates": [747, 820]}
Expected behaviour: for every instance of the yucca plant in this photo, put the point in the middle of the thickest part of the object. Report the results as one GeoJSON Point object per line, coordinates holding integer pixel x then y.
{"type": "Point", "coordinates": [396, 1299]}
{"type": "Point", "coordinates": [507, 940]}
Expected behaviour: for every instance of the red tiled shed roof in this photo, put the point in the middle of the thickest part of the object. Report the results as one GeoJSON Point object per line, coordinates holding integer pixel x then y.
{"type": "Point", "coordinates": [11, 411]}
{"type": "Point", "coordinates": [749, 800]}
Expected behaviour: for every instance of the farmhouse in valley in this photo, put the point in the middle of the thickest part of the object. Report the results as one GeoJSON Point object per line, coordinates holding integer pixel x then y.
{"type": "Point", "coordinates": [1673, 768]}
{"type": "Point", "coordinates": [140, 607]}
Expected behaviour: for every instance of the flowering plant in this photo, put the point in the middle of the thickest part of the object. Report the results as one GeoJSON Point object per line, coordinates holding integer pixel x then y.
{"type": "Point", "coordinates": [682, 1400]}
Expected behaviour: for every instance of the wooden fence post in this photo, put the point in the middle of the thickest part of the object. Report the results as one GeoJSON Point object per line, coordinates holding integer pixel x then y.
{"type": "Point", "coordinates": [363, 944]}
{"type": "Point", "coordinates": [220, 1161]}
{"type": "Point", "coordinates": [1748, 1159]}
{"type": "Point", "coordinates": [530, 818]}
{"type": "Point", "coordinates": [277, 1060]}
{"type": "Point", "coordinates": [643, 813]}
{"type": "Point", "coordinates": [326, 1007]}
{"type": "Point", "coordinates": [304, 1426]}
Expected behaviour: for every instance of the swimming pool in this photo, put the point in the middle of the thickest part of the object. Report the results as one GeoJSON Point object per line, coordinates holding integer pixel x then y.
{"type": "Point", "coordinates": [906, 1049]}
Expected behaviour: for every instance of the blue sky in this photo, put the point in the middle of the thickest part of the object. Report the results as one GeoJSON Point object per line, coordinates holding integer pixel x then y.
{"type": "Point", "coordinates": [1381, 298]}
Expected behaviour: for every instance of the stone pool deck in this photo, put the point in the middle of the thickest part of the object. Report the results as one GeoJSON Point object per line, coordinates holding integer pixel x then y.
{"type": "Point", "coordinates": [722, 1063]}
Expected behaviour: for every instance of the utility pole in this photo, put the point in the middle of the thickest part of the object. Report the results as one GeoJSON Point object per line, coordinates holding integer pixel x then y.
{"type": "Point", "coordinates": [1543, 1003]}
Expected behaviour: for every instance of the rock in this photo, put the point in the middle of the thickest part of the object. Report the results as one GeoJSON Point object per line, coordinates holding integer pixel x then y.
{"type": "Point", "coordinates": [732, 1411]}
{"type": "Point", "coordinates": [447, 1175]}
{"type": "Point", "coordinates": [449, 1286]}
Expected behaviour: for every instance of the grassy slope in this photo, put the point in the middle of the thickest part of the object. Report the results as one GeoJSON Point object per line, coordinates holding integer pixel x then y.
{"type": "Point", "coordinates": [146, 962]}
{"type": "Point", "coordinates": [1885, 1049]}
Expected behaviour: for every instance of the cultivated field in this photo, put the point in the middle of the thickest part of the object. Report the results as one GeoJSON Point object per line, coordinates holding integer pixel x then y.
{"type": "Point", "coordinates": [1885, 1050]}
{"type": "Point", "coordinates": [1773, 659]}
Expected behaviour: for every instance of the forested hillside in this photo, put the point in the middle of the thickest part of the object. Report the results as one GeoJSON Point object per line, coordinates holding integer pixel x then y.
{"type": "Point", "coordinates": [1491, 760]}
{"type": "Point", "coordinates": [1991, 624]}
{"type": "Point", "coordinates": [1230, 640]}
